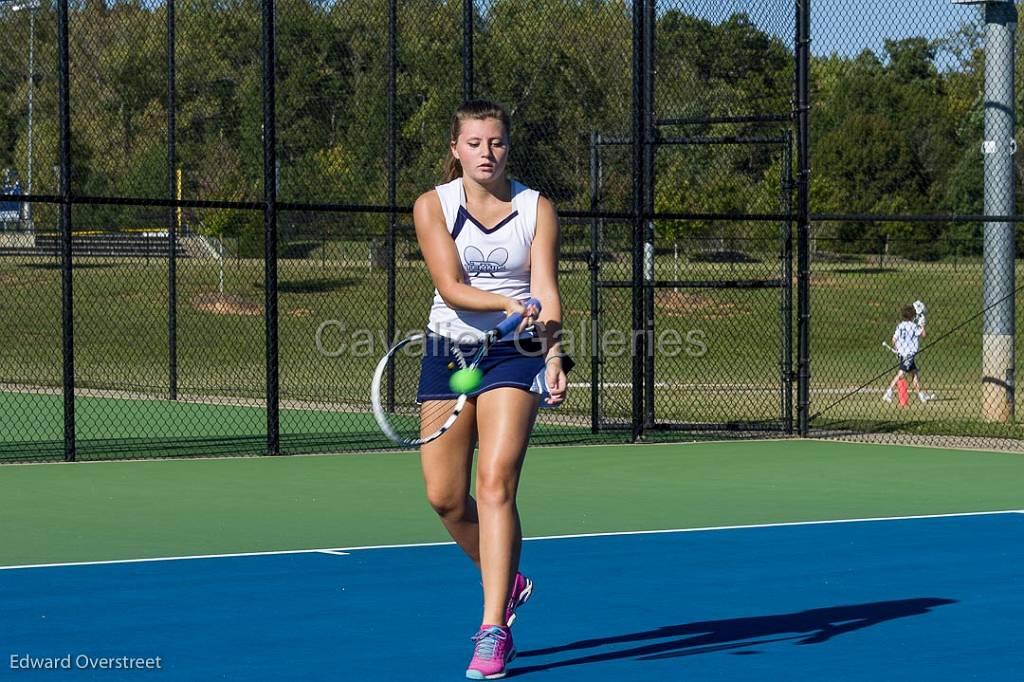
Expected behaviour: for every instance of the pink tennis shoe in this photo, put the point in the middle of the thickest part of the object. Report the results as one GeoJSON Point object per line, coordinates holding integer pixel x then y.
{"type": "Point", "coordinates": [522, 589]}
{"type": "Point", "coordinates": [492, 653]}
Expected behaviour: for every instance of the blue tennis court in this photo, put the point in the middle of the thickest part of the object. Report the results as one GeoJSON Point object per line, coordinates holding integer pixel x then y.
{"type": "Point", "coordinates": [937, 598]}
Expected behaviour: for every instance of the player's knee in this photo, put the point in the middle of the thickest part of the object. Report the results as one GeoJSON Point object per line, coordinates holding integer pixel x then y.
{"type": "Point", "coordinates": [495, 489]}
{"type": "Point", "coordinates": [446, 504]}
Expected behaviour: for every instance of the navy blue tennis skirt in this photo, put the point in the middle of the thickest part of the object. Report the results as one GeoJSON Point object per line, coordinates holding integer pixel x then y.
{"type": "Point", "coordinates": [507, 363]}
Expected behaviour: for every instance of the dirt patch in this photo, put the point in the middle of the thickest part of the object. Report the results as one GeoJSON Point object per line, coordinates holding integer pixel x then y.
{"type": "Point", "coordinates": [683, 303]}
{"type": "Point", "coordinates": [226, 304]}
{"type": "Point", "coordinates": [14, 281]}
{"type": "Point", "coordinates": [232, 304]}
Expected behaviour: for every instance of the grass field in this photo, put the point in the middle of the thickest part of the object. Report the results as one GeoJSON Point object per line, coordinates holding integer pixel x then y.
{"type": "Point", "coordinates": [718, 359]}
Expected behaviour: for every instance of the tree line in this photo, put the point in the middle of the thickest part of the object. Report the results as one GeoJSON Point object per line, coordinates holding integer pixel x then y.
{"type": "Point", "coordinates": [897, 131]}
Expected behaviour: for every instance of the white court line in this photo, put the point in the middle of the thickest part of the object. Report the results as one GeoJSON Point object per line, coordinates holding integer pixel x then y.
{"type": "Point", "coordinates": [779, 525]}
{"type": "Point", "coordinates": [344, 551]}
{"type": "Point", "coordinates": [162, 558]}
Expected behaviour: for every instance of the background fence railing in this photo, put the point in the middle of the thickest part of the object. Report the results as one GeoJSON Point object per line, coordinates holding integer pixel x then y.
{"type": "Point", "coordinates": [207, 237]}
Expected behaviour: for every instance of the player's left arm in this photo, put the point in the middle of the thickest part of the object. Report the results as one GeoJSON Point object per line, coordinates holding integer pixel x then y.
{"type": "Point", "coordinates": [544, 255]}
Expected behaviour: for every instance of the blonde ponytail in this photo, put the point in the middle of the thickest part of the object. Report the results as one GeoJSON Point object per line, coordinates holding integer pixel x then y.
{"type": "Point", "coordinates": [452, 168]}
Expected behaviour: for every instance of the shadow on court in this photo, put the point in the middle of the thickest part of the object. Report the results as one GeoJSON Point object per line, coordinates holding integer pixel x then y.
{"type": "Point", "coordinates": [322, 285]}
{"type": "Point", "coordinates": [79, 265]}
{"type": "Point", "coordinates": [865, 426]}
{"type": "Point", "coordinates": [807, 627]}
{"type": "Point", "coordinates": [865, 271]}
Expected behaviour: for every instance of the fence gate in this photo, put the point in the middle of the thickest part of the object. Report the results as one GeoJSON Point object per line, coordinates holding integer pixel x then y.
{"type": "Point", "coordinates": [716, 287]}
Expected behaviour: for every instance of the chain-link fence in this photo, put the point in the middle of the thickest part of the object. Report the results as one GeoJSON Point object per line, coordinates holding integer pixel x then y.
{"type": "Point", "coordinates": [217, 245]}
{"type": "Point", "coordinates": [913, 199]}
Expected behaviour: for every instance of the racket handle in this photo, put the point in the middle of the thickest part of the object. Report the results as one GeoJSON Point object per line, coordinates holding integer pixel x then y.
{"type": "Point", "coordinates": [510, 323]}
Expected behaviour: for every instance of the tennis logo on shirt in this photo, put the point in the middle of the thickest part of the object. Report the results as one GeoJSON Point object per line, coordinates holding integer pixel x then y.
{"type": "Point", "coordinates": [476, 264]}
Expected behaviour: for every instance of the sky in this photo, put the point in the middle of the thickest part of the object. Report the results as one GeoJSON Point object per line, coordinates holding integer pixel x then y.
{"type": "Point", "coordinates": [843, 26]}
{"type": "Point", "coordinates": [848, 26]}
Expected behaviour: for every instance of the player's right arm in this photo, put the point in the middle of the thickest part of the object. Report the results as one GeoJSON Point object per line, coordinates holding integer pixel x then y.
{"type": "Point", "coordinates": [443, 262]}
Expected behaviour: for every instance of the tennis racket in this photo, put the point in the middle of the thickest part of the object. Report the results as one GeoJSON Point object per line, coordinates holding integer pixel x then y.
{"type": "Point", "coordinates": [396, 382]}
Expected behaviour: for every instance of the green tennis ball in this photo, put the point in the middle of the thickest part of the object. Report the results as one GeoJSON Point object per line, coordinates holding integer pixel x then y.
{"type": "Point", "coordinates": [466, 380]}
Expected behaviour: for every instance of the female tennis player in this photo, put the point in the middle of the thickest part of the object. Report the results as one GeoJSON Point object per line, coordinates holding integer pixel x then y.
{"type": "Point", "coordinates": [489, 243]}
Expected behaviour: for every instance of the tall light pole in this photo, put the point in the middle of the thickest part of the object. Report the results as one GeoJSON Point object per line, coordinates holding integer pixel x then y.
{"type": "Point", "coordinates": [998, 325]}
{"type": "Point", "coordinates": [998, 276]}
{"type": "Point", "coordinates": [31, 8]}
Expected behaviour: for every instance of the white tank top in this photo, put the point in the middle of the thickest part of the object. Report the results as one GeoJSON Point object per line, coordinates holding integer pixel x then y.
{"type": "Point", "coordinates": [494, 258]}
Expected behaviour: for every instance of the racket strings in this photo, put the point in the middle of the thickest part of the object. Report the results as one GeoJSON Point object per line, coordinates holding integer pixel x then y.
{"type": "Point", "coordinates": [400, 385]}
{"type": "Point", "coordinates": [433, 414]}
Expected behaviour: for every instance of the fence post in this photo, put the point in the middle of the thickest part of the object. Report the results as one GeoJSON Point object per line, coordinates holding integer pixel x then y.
{"type": "Point", "coordinates": [67, 290]}
{"type": "Point", "coordinates": [787, 288]}
{"type": "Point", "coordinates": [636, 336]}
{"type": "Point", "coordinates": [649, 140]}
{"type": "Point", "coordinates": [172, 214]}
{"type": "Point", "coordinates": [803, 44]}
{"type": "Point", "coordinates": [392, 182]}
{"type": "Point", "coordinates": [467, 50]}
{"type": "Point", "coordinates": [270, 231]}
{"type": "Point", "coordinates": [595, 273]}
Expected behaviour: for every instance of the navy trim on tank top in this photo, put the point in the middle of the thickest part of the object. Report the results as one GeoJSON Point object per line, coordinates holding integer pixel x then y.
{"type": "Point", "coordinates": [465, 215]}
{"type": "Point", "coordinates": [460, 222]}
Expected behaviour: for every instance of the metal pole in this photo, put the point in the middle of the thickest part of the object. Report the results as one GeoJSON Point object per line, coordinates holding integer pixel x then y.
{"type": "Point", "coordinates": [649, 142]}
{"type": "Point", "coordinates": [172, 216]}
{"type": "Point", "coordinates": [803, 99]}
{"type": "Point", "coordinates": [270, 230]}
{"type": "Point", "coordinates": [31, 91]}
{"type": "Point", "coordinates": [67, 290]}
{"type": "Point", "coordinates": [787, 286]}
{"type": "Point", "coordinates": [467, 50]}
{"type": "Point", "coordinates": [595, 273]}
{"type": "Point", "coordinates": [30, 7]}
{"type": "Point", "coordinates": [392, 182]}
{"type": "Point", "coordinates": [998, 278]}
{"type": "Point", "coordinates": [637, 340]}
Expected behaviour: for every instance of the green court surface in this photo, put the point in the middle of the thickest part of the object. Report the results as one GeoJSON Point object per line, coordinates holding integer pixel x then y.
{"type": "Point", "coordinates": [163, 508]}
